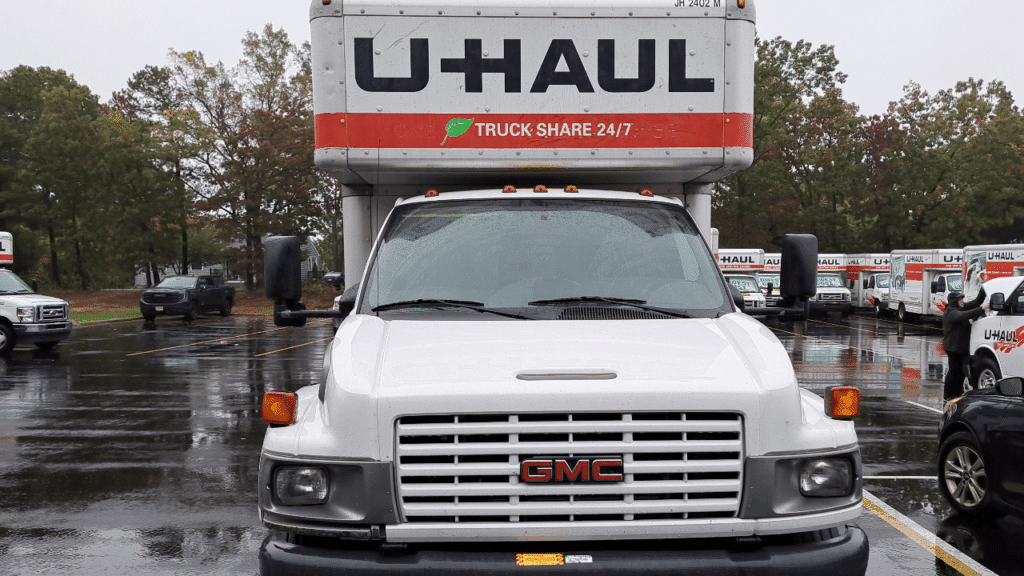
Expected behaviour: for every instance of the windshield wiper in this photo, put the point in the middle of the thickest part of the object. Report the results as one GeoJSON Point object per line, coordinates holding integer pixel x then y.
{"type": "Point", "coordinates": [642, 304]}
{"type": "Point", "coordinates": [478, 306]}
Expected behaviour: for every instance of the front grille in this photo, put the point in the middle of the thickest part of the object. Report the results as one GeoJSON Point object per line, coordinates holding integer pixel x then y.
{"type": "Point", "coordinates": [832, 297]}
{"type": "Point", "coordinates": [164, 298]}
{"type": "Point", "coordinates": [465, 468]}
{"type": "Point", "coordinates": [52, 313]}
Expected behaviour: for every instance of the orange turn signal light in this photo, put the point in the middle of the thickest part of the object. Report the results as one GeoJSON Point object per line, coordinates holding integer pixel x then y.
{"type": "Point", "coordinates": [741, 3]}
{"type": "Point", "coordinates": [842, 402]}
{"type": "Point", "coordinates": [540, 188]}
{"type": "Point", "coordinates": [508, 188]}
{"type": "Point", "coordinates": [646, 192]}
{"type": "Point", "coordinates": [571, 188]}
{"type": "Point", "coordinates": [279, 408]}
{"type": "Point", "coordinates": [431, 193]}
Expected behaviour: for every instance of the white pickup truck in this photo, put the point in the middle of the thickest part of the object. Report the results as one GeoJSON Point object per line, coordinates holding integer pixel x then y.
{"type": "Point", "coordinates": [29, 318]}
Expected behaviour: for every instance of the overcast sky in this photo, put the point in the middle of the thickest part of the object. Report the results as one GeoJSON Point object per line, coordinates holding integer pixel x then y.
{"type": "Point", "coordinates": [881, 44]}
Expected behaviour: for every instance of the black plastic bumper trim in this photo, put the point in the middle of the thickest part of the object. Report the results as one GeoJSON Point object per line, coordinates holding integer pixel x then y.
{"type": "Point", "coordinates": [841, 554]}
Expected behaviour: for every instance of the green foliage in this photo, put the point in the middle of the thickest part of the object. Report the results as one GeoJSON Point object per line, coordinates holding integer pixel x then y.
{"type": "Point", "coordinates": [934, 171]}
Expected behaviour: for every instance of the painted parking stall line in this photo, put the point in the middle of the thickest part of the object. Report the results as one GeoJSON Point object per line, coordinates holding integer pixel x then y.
{"type": "Point", "coordinates": [940, 548]}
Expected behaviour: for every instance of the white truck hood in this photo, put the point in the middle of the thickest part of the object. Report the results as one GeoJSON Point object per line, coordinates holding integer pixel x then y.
{"type": "Point", "coordinates": [378, 371]}
{"type": "Point", "coordinates": [29, 300]}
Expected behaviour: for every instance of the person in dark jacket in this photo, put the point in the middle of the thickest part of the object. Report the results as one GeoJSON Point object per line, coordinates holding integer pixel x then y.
{"type": "Point", "coordinates": [956, 338]}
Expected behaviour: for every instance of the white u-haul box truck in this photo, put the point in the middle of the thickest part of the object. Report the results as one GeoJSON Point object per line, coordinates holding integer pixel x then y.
{"type": "Point", "coordinates": [833, 295]}
{"type": "Point", "coordinates": [27, 317]}
{"type": "Point", "coordinates": [867, 275]}
{"type": "Point", "coordinates": [921, 280]}
{"type": "Point", "coordinates": [540, 363]}
{"type": "Point", "coordinates": [740, 267]}
{"type": "Point", "coordinates": [771, 275]}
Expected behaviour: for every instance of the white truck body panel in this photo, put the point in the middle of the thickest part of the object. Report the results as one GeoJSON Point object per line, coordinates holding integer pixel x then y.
{"type": "Point", "coordinates": [1000, 337]}
{"type": "Point", "coordinates": [988, 262]}
{"type": "Point", "coordinates": [6, 249]}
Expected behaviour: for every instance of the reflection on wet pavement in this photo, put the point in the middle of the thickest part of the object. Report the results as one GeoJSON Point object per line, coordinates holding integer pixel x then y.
{"type": "Point", "coordinates": [146, 464]}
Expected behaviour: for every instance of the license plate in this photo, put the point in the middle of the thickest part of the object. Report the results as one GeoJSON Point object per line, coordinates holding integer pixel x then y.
{"type": "Point", "coordinates": [159, 308]}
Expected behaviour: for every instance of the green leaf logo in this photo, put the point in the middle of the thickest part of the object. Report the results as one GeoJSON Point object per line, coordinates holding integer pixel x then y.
{"type": "Point", "coordinates": [456, 127]}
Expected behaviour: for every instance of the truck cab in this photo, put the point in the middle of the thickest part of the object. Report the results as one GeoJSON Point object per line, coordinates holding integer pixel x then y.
{"type": "Point", "coordinates": [941, 285]}
{"type": "Point", "coordinates": [876, 291]}
{"type": "Point", "coordinates": [832, 295]}
{"type": "Point", "coordinates": [30, 318]}
{"type": "Point", "coordinates": [748, 287]}
{"type": "Point", "coordinates": [997, 339]}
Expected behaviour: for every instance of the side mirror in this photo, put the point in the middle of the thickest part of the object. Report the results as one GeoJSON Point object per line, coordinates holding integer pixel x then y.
{"type": "Point", "coordinates": [737, 298]}
{"type": "Point", "coordinates": [997, 302]}
{"type": "Point", "coordinates": [282, 275]}
{"type": "Point", "coordinates": [771, 288]}
{"type": "Point", "coordinates": [799, 277]}
{"type": "Point", "coordinates": [935, 286]}
{"type": "Point", "coordinates": [348, 299]}
{"type": "Point", "coordinates": [1011, 387]}
{"type": "Point", "coordinates": [864, 283]}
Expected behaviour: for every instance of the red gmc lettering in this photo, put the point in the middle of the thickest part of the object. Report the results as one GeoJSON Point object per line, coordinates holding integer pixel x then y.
{"type": "Point", "coordinates": [542, 474]}
{"type": "Point", "coordinates": [580, 472]}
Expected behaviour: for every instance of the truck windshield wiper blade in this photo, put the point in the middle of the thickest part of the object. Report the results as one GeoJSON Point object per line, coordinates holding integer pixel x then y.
{"type": "Point", "coordinates": [642, 304]}
{"type": "Point", "coordinates": [478, 306]}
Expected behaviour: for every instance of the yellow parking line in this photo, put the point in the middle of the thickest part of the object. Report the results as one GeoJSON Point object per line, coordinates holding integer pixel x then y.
{"type": "Point", "coordinates": [941, 549]}
{"type": "Point", "coordinates": [291, 347]}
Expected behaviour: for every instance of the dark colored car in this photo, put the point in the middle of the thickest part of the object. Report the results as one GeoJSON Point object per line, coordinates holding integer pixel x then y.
{"type": "Point", "coordinates": [335, 279]}
{"type": "Point", "coordinates": [187, 296]}
{"type": "Point", "coordinates": [981, 450]}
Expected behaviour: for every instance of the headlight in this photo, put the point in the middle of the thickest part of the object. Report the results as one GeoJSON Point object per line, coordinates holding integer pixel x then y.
{"type": "Point", "coordinates": [26, 314]}
{"type": "Point", "coordinates": [299, 485]}
{"type": "Point", "coordinates": [826, 477]}
{"type": "Point", "coordinates": [846, 297]}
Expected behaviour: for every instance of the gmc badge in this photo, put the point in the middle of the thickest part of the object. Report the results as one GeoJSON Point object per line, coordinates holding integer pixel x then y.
{"type": "Point", "coordinates": [574, 469]}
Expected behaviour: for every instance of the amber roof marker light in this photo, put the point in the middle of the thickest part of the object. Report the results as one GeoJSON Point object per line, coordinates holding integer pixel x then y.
{"type": "Point", "coordinates": [842, 402]}
{"type": "Point", "coordinates": [739, 3]}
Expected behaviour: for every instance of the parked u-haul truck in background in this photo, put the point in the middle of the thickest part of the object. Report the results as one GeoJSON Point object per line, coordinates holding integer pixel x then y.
{"type": "Point", "coordinates": [921, 280]}
{"type": "Point", "coordinates": [867, 276]}
{"type": "Point", "coordinates": [27, 317]}
{"type": "Point", "coordinates": [771, 275]}
{"type": "Point", "coordinates": [833, 295]}
{"type": "Point", "coordinates": [539, 362]}
{"type": "Point", "coordinates": [740, 267]}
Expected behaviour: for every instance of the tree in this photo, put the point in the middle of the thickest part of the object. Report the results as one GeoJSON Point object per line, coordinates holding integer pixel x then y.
{"type": "Point", "coordinates": [253, 127]}
{"type": "Point", "coordinates": [803, 141]}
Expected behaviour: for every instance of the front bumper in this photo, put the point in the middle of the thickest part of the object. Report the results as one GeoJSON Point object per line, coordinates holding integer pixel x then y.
{"type": "Point", "coordinates": [44, 332]}
{"type": "Point", "coordinates": [176, 309]}
{"type": "Point", "coordinates": [836, 551]}
{"type": "Point", "coordinates": [843, 307]}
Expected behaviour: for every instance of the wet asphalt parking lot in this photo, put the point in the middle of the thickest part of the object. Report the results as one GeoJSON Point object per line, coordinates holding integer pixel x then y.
{"type": "Point", "coordinates": [133, 449]}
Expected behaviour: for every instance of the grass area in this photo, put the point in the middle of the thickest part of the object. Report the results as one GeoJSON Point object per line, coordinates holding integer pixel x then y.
{"type": "Point", "coordinates": [95, 306]}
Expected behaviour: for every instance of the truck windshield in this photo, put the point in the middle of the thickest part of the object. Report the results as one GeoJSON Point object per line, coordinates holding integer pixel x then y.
{"type": "Point", "coordinates": [829, 281]}
{"type": "Point", "coordinates": [177, 282]}
{"type": "Point", "coordinates": [764, 281]}
{"type": "Point", "coordinates": [11, 284]}
{"type": "Point", "coordinates": [744, 284]}
{"type": "Point", "coordinates": [955, 283]}
{"type": "Point", "coordinates": [509, 253]}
